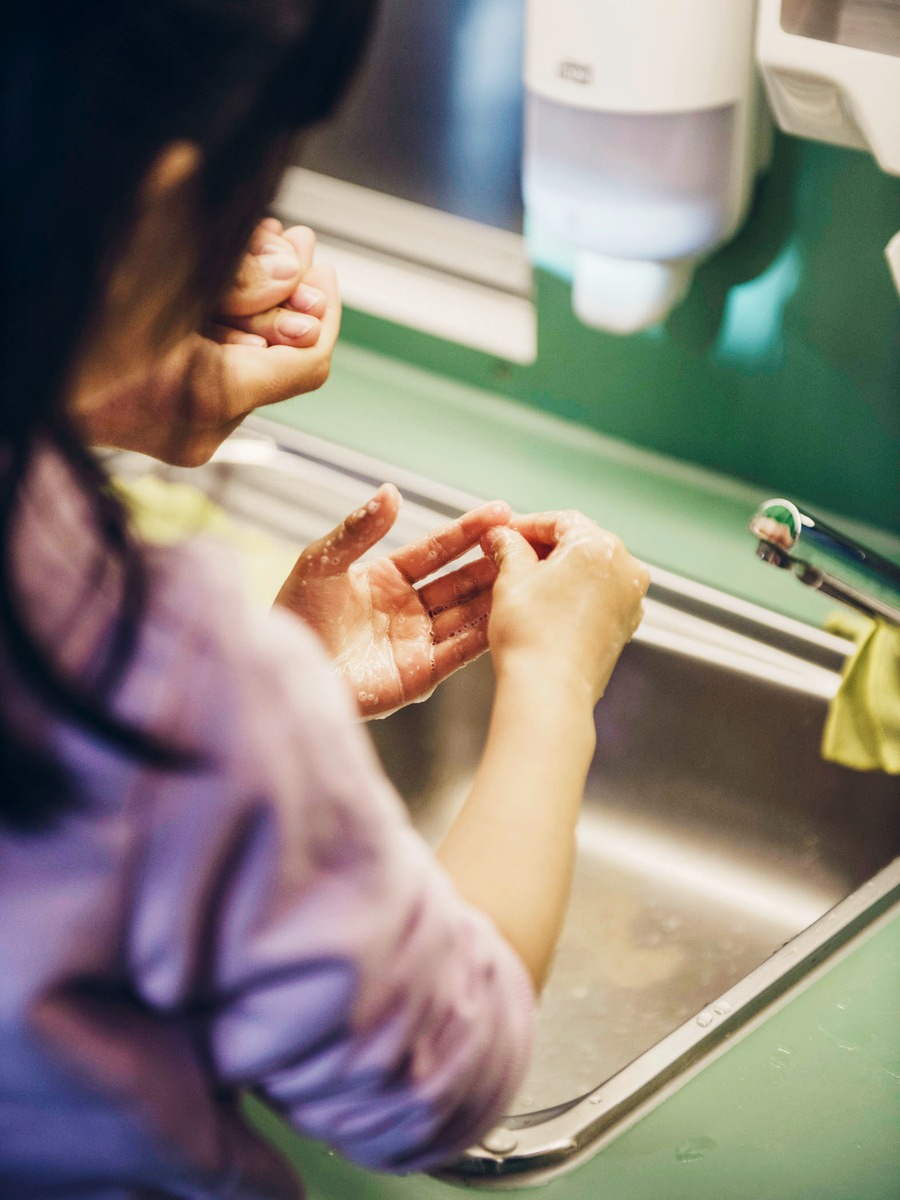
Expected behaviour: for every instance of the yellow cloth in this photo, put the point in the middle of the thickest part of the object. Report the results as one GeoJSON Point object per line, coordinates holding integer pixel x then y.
{"type": "Point", "coordinates": [863, 726]}
{"type": "Point", "coordinates": [165, 513]}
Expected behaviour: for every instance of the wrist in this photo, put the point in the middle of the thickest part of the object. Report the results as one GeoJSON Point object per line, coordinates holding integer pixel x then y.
{"type": "Point", "coordinates": [548, 676]}
{"type": "Point", "coordinates": [550, 694]}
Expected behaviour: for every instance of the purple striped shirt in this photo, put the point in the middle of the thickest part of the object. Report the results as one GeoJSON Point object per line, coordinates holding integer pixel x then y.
{"type": "Point", "coordinates": [269, 921]}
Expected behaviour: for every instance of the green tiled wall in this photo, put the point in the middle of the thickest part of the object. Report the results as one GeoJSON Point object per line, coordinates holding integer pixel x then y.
{"type": "Point", "coordinates": [781, 368]}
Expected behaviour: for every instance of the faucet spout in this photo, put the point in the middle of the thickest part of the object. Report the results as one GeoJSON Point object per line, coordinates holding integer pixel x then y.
{"type": "Point", "coordinates": [823, 558]}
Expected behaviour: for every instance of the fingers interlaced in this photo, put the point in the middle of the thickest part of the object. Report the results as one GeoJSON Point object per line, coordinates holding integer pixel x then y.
{"type": "Point", "coordinates": [545, 529]}
{"type": "Point", "coordinates": [461, 584]}
{"type": "Point", "coordinates": [422, 558]}
{"type": "Point", "coordinates": [468, 615]}
{"type": "Point", "coordinates": [454, 652]}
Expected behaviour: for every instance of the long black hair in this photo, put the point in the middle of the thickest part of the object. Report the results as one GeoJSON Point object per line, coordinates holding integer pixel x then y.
{"type": "Point", "coordinates": [90, 93]}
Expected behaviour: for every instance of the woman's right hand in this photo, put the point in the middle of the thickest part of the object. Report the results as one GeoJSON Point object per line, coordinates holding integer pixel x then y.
{"type": "Point", "coordinates": [567, 599]}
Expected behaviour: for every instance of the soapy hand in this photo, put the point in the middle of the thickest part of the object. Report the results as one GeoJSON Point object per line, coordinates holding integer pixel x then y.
{"type": "Point", "coordinates": [272, 338]}
{"type": "Point", "coordinates": [392, 640]}
{"type": "Point", "coordinates": [567, 598]}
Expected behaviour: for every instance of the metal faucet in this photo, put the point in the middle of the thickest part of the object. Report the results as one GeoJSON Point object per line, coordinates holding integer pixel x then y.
{"type": "Point", "coordinates": [827, 560]}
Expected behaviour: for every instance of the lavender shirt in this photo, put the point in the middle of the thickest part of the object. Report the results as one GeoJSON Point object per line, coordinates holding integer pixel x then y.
{"type": "Point", "coordinates": [270, 921]}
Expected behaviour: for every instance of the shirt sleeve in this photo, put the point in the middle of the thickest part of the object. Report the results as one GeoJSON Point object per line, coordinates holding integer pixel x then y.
{"type": "Point", "coordinates": [284, 901]}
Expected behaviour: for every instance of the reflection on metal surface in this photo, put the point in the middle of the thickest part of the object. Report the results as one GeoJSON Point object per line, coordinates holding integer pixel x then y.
{"type": "Point", "coordinates": [823, 558]}
{"type": "Point", "coordinates": [435, 115]}
{"type": "Point", "coordinates": [722, 879]}
{"type": "Point", "coordinates": [712, 833]}
{"type": "Point", "coordinates": [720, 859]}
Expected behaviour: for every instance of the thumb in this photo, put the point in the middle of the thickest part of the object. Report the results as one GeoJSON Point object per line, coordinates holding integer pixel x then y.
{"type": "Point", "coordinates": [507, 549]}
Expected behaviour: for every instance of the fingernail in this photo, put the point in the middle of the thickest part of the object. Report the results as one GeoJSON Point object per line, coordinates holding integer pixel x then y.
{"type": "Point", "coordinates": [306, 298]}
{"type": "Point", "coordinates": [294, 325]}
{"type": "Point", "coordinates": [247, 339]}
{"type": "Point", "coordinates": [279, 266]}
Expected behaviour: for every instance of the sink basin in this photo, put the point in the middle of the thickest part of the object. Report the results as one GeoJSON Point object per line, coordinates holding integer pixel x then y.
{"type": "Point", "coordinates": [720, 859]}
{"type": "Point", "coordinates": [711, 833]}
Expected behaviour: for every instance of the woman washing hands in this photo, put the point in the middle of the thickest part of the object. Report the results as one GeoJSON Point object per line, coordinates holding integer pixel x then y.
{"type": "Point", "coordinates": [556, 598]}
{"type": "Point", "coordinates": [207, 885]}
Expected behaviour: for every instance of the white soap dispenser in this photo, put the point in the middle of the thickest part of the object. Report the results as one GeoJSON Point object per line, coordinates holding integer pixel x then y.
{"type": "Point", "coordinates": [643, 139]}
{"type": "Point", "coordinates": [832, 70]}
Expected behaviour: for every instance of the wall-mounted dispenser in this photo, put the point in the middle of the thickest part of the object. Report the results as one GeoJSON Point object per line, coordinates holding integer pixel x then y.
{"type": "Point", "coordinates": [832, 70]}
{"type": "Point", "coordinates": [644, 134]}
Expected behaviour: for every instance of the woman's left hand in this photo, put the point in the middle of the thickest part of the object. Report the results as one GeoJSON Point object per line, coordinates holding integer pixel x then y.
{"type": "Point", "coordinates": [394, 641]}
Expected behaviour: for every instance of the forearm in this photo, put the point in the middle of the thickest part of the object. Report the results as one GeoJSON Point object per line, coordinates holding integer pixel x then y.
{"type": "Point", "coordinates": [511, 850]}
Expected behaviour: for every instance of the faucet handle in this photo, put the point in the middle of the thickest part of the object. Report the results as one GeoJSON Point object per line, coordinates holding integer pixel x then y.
{"type": "Point", "coordinates": [825, 559]}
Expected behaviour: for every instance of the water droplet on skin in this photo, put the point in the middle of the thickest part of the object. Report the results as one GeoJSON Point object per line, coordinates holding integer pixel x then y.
{"type": "Point", "coordinates": [432, 555]}
{"type": "Point", "coordinates": [373, 506]}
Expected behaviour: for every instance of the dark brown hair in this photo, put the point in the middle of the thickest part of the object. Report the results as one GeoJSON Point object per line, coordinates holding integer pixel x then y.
{"type": "Point", "coordinates": [89, 95]}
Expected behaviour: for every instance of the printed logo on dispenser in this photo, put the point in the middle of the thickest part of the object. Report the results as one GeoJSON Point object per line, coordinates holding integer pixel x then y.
{"type": "Point", "coordinates": [576, 72]}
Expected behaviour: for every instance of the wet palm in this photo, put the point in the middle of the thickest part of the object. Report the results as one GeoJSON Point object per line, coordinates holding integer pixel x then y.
{"type": "Point", "coordinates": [391, 639]}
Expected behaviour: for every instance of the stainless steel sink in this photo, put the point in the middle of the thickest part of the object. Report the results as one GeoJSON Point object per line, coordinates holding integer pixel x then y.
{"type": "Point", "coordinates": [719, 857]}
{"type": "Point", "coordinates": [711, 834]}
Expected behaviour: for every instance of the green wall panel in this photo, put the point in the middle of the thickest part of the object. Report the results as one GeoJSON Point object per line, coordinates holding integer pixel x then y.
{"type": "Point", "coordinates": [781, 368]}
